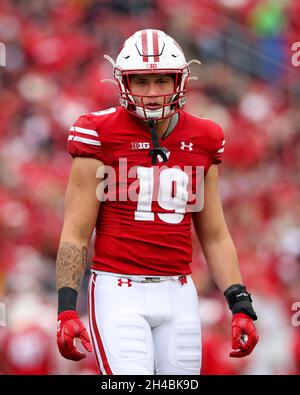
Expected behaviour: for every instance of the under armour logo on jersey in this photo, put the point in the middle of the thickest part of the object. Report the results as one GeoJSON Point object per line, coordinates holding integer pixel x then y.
{"type": "Point", "coordinates": [136, 145]}
{"type": "Point", "coordinates": [122, 281]}
{"type": "Point", "coordinates": [184, 146]}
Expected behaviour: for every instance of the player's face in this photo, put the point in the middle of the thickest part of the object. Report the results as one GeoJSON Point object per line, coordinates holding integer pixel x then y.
{"type": "Point", "coordinates": [152, 87]}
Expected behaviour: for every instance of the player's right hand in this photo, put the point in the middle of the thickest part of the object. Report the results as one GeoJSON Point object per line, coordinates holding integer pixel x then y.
{"type": "Point", "coordinates": [70, 327]}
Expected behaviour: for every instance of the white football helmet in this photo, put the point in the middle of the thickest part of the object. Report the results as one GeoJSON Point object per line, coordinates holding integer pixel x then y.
{"type": "Point", "coordinates": [145, 52]}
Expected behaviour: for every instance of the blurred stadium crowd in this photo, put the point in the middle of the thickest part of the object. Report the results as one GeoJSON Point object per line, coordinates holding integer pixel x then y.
{"type": "Point", "coordinates": [54, 64]}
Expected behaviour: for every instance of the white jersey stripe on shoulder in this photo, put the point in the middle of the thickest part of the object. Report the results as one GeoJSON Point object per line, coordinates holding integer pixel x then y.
{"type": "Point", "coordinates": [223, 143]}
{"type": "Point", "coordinates": [83, 131]}
{"type": "Point", "coordinates": [105, 112]}
{"type": "Point", "coordinates": [83, 140]}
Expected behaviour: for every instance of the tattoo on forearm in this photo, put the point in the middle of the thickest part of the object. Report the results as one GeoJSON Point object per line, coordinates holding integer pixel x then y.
{"type": "Point", "coordinates": [71, 264]}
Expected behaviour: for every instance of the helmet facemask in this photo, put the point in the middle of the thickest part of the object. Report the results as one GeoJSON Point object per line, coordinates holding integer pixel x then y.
{"type": "Point", "coordinates": [135, 103]}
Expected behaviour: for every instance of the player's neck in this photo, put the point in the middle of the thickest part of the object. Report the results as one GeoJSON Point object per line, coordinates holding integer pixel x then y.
{"type": "Point", "coordinates": [162, 126]}
{"type": "Point", "coordinates": [165, 126]}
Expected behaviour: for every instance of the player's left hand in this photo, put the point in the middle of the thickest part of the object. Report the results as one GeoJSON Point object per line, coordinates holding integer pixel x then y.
{"type": "Point", "coordinates": [244, 335]}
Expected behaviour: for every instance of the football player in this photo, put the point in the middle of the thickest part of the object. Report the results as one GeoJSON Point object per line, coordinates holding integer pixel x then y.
{"type": "Point", "coordinates": [141, 173]}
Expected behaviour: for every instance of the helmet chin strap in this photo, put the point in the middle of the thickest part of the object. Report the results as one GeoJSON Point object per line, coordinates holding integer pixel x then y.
{"type": "Point", "coordinates": [157, 149]}
{"type": "Point", "coordinates": [153, 114]}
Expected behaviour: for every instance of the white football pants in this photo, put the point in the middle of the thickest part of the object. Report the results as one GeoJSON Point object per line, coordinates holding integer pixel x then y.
{"type": "Point", "coordinates": [144, 328]}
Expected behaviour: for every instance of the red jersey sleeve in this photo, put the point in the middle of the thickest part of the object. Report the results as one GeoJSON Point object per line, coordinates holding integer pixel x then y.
{"type": "Point", "coordinates": [84, 139]}
{"type": "Point", "coordinates": [219, 143]}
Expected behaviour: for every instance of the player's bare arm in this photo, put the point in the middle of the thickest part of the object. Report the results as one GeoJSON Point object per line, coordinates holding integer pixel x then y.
{"type": "Point", "coordinates": [214, 237]}
{"type": "Point", "coordinates": [81, 211]}
{"type": "Point", "coordinates": [71, 264]}
{"type": "Point", "coordinates": [222, 261]}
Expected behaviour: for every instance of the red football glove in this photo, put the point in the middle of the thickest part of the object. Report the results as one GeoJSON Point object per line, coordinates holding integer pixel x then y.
{"type": "Point", "coordinates": [244, 335]}
{"type": "Point", "coordinates": [69, 327]}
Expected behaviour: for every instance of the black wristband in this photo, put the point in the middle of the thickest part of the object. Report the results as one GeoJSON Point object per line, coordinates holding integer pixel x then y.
{"type": "Point", "coordinates": [239, 300]}
{"type": "Point", "coordinates": [67, 299]}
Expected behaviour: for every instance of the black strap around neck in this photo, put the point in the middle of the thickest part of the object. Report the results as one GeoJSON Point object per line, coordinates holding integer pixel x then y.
{"type": "Point", "coordinates": [157, 149]}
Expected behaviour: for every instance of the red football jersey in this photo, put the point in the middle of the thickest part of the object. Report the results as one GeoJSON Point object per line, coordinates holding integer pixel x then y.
{"type": "Point", "coordinates": [144, 225]}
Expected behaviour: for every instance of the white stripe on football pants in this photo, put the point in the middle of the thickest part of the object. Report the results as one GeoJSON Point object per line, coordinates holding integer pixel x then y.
{"type": "Point", "coordinates": [94, 338]}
